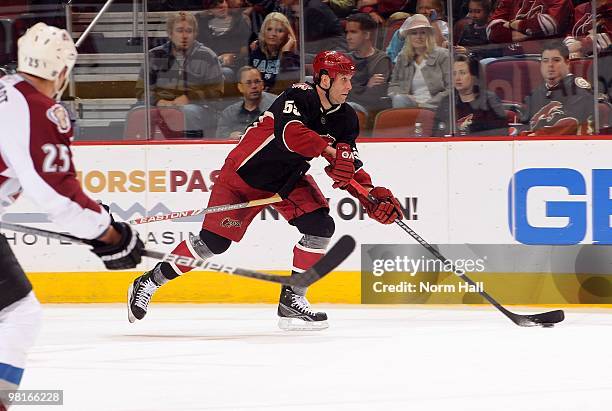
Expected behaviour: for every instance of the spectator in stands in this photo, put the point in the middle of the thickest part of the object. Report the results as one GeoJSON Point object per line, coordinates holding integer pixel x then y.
{"type": "Point", "coordinates": [256, 11]}
{"type": "Point", "coordinates": [226, 31]}
{"type": "Point", "coordinates": [397, 41]}
{"type": "Point", "coordinates": [342, 8]}
{"type": "Point", "coordinates": [369, 93]}
{"type": "Point", "coordinates": [520, 20]}
{"type": "Point", "coordinates": [274, 54]}
{"type": "Point", "coordinates": [380, 10]}
{"type": "Point", "coordinates": [582, 40]}
{"type": "Point", "coordinates": [564, 104]}
{"type": "Point", "coordinates": [235, 118]}
{"type": "Point", "coordinates": [477, 112]}
{"type": "Point", "coordinates": [322, 28]}
{"type": "Point", "coordinates": [474, 33]}
{"type": "Point", "coordinates": [460, 9]}
{"type": "Point", "coordinates": [421, 76]}
{"type": "Point", "coordinates": [434, 10]}
{"type": "Point", "coordinates": [183, 73]}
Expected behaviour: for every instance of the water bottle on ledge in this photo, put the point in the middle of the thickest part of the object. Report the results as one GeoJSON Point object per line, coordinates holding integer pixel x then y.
{"type": "Point", "coordinates": [418, 130]}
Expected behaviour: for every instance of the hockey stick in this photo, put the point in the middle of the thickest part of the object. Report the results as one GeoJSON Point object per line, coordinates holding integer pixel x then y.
{"type": "Point", "coordinates": [282, 194]}
{"type": "Point", "coordinates": [334, 256]}
{"type": "Point", "coordinates": [547, 319]}
{"type": "Point", "coordinates": [214, 209]}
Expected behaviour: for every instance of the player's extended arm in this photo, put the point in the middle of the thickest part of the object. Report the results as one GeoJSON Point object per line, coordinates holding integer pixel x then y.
{"type": "Point", "coordinates": [43, 166]}
{"type": "Point", "coordinates": [42, 163]}
{"type": "Point", "coordinates": [386, 209]}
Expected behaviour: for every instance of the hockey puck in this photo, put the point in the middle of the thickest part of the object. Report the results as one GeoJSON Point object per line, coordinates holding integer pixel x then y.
{"type": "Point", "coordinates": [548, 325]}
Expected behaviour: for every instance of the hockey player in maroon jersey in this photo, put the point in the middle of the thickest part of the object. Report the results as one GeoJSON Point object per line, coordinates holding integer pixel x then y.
{"type": "Point", "coordinates": [35, 159]}
{"type": "Point", "coordinates": [305, 121]}
{"type": "Point", "coordinates": [520, 20]}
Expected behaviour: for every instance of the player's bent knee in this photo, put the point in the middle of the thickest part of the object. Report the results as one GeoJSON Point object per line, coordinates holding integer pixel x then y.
{"type": "Point", "coordinates": [318, 223]}
{"type": "Point", "coordinates": [215, 243]}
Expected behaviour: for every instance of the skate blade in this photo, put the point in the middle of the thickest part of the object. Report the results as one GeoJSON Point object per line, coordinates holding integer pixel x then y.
{"type": "Point", "coordinates": [131, 317]}
{"type": "Point", "coordinates": [296, 324]}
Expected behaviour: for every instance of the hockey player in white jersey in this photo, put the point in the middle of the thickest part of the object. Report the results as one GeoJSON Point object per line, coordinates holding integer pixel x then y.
{"type": "Point", "coordinates": [35, 159]}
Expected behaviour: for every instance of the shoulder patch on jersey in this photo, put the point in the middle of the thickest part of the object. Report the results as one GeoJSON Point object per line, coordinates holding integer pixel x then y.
{"type": "Point", "coordinates": [302, 86]}
{"type": "Point", "coordinates": [582, 83]}
{"type": "Point", "coordinates": [58, 114]}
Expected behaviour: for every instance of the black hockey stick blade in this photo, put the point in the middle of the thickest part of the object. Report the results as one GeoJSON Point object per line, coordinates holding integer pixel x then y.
{"type": "Point", "coordinates": [547, 319]}
{"type": "Point", "coordinates": [334, 256]}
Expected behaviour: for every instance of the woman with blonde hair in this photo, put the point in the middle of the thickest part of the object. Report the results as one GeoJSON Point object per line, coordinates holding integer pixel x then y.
{"type": "Point", "coordinates": [274, 54]}
{"type": "Point", "coordinates": [421, 75]}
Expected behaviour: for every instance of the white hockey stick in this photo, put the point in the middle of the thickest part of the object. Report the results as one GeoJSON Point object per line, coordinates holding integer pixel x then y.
{"type": "Point", "coordinates": [283, 193]}
{"type": "Point", "coordinates": [214, 209]}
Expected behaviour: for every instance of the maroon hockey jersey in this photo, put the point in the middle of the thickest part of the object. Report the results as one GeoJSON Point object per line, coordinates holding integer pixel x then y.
{"type": "Point", "coordinates": [36, 159]}
{"type": "Point", "coordinates": [537, 19]}
{"type": "Point", "coordinates": [293, 131]}
{"type": "Point", "coordinates": [583, 27]}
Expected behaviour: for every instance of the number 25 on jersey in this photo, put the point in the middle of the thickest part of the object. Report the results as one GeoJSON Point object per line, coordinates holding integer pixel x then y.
{"type": "Point", "coordinates": [57, 158]}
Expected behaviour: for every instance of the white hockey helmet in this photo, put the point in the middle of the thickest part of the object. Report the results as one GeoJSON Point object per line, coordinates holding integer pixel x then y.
{"type": "Point", "coordinates": [43, 51]}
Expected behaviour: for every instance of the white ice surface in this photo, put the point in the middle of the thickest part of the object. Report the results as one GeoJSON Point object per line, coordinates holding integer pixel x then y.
{"type": "Point", "coordinates": [214, 357]}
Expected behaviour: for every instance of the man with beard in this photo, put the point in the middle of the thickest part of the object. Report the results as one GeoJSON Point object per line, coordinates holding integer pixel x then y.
{"type": "Point", "coordinates": [235, 118]}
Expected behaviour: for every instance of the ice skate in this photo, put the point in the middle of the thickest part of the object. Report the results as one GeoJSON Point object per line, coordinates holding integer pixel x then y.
{"type": "Point", "coordinates": [139, 296]}
{"type": "Point", "coordinates": [296, 315]}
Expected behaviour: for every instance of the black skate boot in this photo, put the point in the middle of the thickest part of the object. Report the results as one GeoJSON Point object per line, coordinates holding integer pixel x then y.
{"type": "Point", "coordinates": [295, 313]}
{"type": "Point", "coordinates": [139, 296]}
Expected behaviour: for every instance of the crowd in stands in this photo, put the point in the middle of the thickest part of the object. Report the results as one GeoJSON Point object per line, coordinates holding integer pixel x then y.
{"type": "Point", "coordinates": [224, 61]}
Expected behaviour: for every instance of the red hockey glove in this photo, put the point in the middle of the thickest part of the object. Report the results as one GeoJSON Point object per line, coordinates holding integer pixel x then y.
{"type": "Point", "coordinates": [386, 209]}
{"type": "Point", "coordinates": [342, 168]}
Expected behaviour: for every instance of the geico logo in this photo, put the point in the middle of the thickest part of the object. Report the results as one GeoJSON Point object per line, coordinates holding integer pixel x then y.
{"type": "Point", "coordinates": [552, 205]}
{"type": "Point", "coordinates": [138, 181]}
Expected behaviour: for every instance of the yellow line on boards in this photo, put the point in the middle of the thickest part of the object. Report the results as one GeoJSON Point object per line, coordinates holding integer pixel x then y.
{"type": "Point", "coordinates": [195, 287]}
{"type": "Point", "coordinates": [342, 287]}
